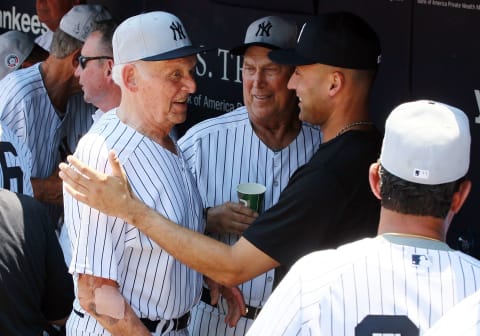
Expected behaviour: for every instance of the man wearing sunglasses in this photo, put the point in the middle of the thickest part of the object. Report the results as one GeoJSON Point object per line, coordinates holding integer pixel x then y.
{"type": "Point", "coordinates": [43, 106]}
{"type": "Point", "coordinates": [94, 73]}
{"type": "Point", "coordinates": [94, 70]}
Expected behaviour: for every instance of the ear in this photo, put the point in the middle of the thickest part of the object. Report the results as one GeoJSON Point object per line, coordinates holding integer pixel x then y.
{"type": "Point", "coordinates": [129, 74]}
{"type": "Point", "coordinates": [75, 55]}
{"type": "Point", "coordinates": [337, 80]}
{"type": "Point", "coordinates": [460, 196]}
{"type": "Point", "coordinates": [374, 179]}
{"type": "Point", "coordinates": [108, 68]}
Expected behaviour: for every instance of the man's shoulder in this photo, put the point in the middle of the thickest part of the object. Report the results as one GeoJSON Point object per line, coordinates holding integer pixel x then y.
{"type": "Point", "coordinates": [334, 261]}
{"type": "Point", "coordinates": [23, 84]}
{"type": "Point", "coordinates": [27, 77]}
{"type": "Point", "coordinates": [233, 119]}
{"type": "Point", "coordinates": [352, 149]}
{"type": "Point", "coordinates": [107, 130]}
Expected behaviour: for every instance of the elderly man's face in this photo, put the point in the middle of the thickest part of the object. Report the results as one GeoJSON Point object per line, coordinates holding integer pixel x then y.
{"type": "Point", "coordinates": [95, 77]}
{"type": "Point", "coordinates": [164, 88]}
{"type": "Point", "coordinates": [51, 12]}
{"type": "Point", "coordinates": [265, 91]}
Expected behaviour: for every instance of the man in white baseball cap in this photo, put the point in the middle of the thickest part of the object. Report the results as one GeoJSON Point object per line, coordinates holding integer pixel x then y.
{"type": "Point", "coordinates": [44, 107]}
{"type": "Point", "coordinates": [18, 51]}
{"type": "Point", "coordinates": [126, 284]}
{"type": "Point", "coordinates": [407, 277]}
{"type": "Point", "coordinates": [15, 46]}
{"type": "Point", "coordinates": [50, 12]}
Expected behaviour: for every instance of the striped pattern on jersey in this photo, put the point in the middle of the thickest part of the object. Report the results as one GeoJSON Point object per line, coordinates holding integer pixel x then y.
{"type": "Point", "coordinates": [461, 320]}
{"type": "Point", "coordinates": [152, 282]}
{"type": "Point", "coordinates": [27, 110]}
{"type": "Point", "coordinates": [15, 163]}
{"type": "Point", "coordinates": [225, 151]}
{"type": "Point", "coordinates": [330, 292]}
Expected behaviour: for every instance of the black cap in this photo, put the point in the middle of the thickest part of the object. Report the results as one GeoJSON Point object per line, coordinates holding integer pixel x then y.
{"type": "Point", "coordinates": [339, 39]}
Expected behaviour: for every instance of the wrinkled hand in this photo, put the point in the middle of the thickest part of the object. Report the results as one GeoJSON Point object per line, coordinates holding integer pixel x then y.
{"type": "Point", "coordinates": [234, 298]}
{"type": "Point", "coordinates": [110, 194]}
{"type": "Point", "coordinates": [230, 217]}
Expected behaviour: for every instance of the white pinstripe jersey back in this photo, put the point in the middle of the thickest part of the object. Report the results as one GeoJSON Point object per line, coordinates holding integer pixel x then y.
{"type": "Point", "coordinates": [330, 292]}
{"type": "Point", "coordinates": [225, 151]}
{"type": "Point", "coordinates": [152, 282]}
{"type": "Point", "coordinates": [15, 163]}
{"type": "Point", "coordinates": [461, 320]}
{"type": "Point", "coordinates": [27, 110]}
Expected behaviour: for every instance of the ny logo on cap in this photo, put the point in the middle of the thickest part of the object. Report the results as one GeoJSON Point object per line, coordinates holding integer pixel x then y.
{"type": "Point", "coordinates": [177, 28]}
{"type": "Point", "coordinates": [264, 29]}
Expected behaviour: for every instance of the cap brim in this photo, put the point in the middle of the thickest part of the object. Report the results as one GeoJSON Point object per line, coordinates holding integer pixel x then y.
{"type": "Point", "coordinates": [289, 57]}
{"type": "Point", "coordinates": [177, 53]}
{"type": "Point", "coordinates": [240, 50]}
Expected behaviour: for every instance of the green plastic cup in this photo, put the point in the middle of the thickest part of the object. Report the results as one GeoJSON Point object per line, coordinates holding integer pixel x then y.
{"type": "Point", "coordinates": [251, 195]}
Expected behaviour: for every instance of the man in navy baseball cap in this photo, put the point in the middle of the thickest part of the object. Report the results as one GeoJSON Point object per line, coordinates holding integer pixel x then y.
{"type": "Point", "coordinates": [339, 39]}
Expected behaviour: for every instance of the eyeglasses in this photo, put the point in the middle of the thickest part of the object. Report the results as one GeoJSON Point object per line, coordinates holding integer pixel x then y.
{"type": "Point", "coordinates": [83, 60]}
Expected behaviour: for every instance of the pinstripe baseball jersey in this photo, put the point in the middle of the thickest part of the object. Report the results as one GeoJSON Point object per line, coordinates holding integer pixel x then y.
{"type": "Point", "coordinates": [223, 152]}
{"type": "Point", "coordinates": [332, 292]}
{"type": "Point", "coordinates": [461, 320]}
{"type": "Point", "coordinates": [27, 110]}
{"type": "Point", "coordinates": [15, 163]}
{"type": "Point", "coordinates": [155, 284]}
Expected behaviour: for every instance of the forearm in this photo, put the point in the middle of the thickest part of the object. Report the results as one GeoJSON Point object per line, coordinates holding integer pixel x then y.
{"type": "Point", "coordinates": [101, 299]}
{"type": "Point", "coordinates": [227, 265]}
{"type": "Point", "coordinates": [130, 324]}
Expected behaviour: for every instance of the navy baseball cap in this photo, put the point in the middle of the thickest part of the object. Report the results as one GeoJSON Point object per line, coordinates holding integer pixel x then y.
{"type": "Point", "coordinates": [339, 39]}
{"type": "Point", "coordinates": [271, 32]}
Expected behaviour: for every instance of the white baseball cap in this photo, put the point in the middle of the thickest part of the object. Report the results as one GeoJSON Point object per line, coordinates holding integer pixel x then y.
{"type": "Point", "coordinates": [271, 32]}
{"type": "Point", "coordinates": [80, 20]}
{"type": "Point", "coordinates": [153, 36]}
{"type": "Point", "coordinates": [15, 47]}
{"type": "Point", "coordinates": [426, 142]}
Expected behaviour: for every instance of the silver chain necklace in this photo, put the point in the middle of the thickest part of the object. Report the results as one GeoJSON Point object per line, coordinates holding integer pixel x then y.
{"type": "Point", "coordinates": [357, 123]}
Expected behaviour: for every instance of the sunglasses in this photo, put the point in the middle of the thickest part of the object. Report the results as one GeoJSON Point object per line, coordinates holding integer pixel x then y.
{"type": "Point", "coordinates": [83, 60]}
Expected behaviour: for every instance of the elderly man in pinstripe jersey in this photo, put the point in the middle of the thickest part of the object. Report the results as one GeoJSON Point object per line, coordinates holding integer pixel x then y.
{"type": "Point", "coordinates": [262, 142]}
{"type": "Point", "coordinates": [125, 283]}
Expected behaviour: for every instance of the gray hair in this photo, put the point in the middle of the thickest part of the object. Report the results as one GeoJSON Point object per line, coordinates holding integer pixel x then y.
{"type": "Point", "coordinates": [64, 44]}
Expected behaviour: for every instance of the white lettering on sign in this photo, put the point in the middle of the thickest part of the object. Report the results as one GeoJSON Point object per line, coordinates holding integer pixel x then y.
{"type": "Point", "coordinates": [477, 96]}
{"type": "Point", "coordinates": [13, 20]}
